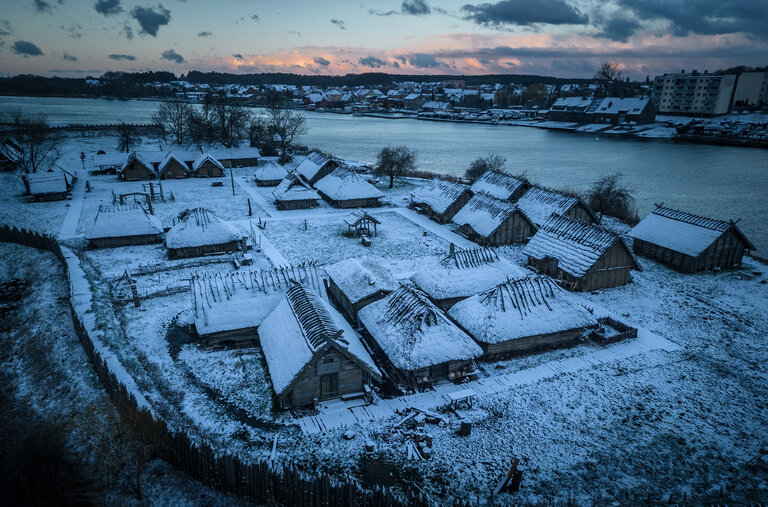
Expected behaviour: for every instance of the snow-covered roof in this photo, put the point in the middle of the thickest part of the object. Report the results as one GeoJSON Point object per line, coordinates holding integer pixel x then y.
{"type": "Point", "coordinates": [269, 172]}
{"type": "Point", "coordinates": [412, 96]}
{"type": "Point", "coordinates": [465, 273]}
{"type": "Point", "coordinates": [233, 153]}
{"type": "Point", "coordinates": [243, 299]}
{"type": "Point", "coordinates": [139, 157]}
{"type": "Point", "coordinates": [302, 326]}
{"type": "Point", "coordinates": [123, 221]}
{"type": "Point", "coordinates": [356, 216]}
{"type": "Point", "coordinates": [615, 105]}
{"type": "Point", "coordinates": [540, 203]}
{"type": "Point", "coordinates": [414, 333]}
{"type": "Point", "coordinates": [293, 188]}
{"type": "Point", "coordinates": [344, 184]}
{"type": "Point", "coordinates": [170, 157]}
{"type": "Point", "coordinates": [682, 232]}
{"type": "Point", "coordinates": [433, 104]}
{"type": "Point", "coordinates": [498, 184]}
{"type": "Point", "coordinates": [199, 161]}
{"type": "Point", "coordinates": [311, 165]}
{"type": "Point", "coordinates": [201, 227]}
{"type": "Point", "coordinates": [485, 213]}
{"type": "Point", "coordinates": [52, 182]}
{"type": "Point", "coordinates": [439, 194]}
{"type": "Point", "coordinates": [360, 278]}
{"type": "Point", "coordinates": [576, 245]}
{"type": "Point", "coordinates": [529, 306]}
{"type": "Point", "coordinates": [571, 102]}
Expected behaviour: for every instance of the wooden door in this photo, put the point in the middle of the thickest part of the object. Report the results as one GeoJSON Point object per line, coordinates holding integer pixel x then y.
{"type": "Point", "coordinates": [329, 386]}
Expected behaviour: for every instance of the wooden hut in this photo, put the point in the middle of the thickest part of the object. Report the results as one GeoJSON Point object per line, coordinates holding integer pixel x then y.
{"type": "Point", "coordinates": [581, 256]}
{"type": "Point", "coordinates": [236, 156]}
{"type": "Point", "coordinates": [172, 167]}
{"type": "Point", "coordinates": [312, 354]}
{"type": "Point", "coordinates": [359, 222]}
{"type": "Point", "coordinates": [269, 175]}
{"type": "Point", "coordinates": [489, 221]}
{"type": "Point", "coordinates": [522, 316]}
{"type": "Point", "coordinates": [355, 283]}
{"type": "Point", "coordinates": [689, 243]}
{"type": "Point", "coordinates": [205, 166]}
{"type": "Point", "coordinates": [344, 188]}
{"type": "Point", "coordinates": [416, 340]}
{"type": "Point", "coordinates": [53, 185]}
{"type": "Point", "coordinates": [500, 185]}
{"type": "Point", "coordinates": [540, 203]}
{"type": "Point", "coordinates": [464, 273]}
{"type": "Point", "coordinates": [136, 168]}
{"type": "Point", "coordinates": [294, 193]}
{"type": "Point", "coordinates": [440, 199]}
{"type": "Point", "coordinates": [201, 232]}
{"type": "Point", "coordinates": [123, 226]}
{"type": "Point", "coordinates": [315, 166]}
{"type": "Point", "coordinates": [229, 307]}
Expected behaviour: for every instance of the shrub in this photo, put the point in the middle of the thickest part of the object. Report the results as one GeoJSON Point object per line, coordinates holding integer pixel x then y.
{"type": "Point", "coordinates": [479, 166]}
{"type": "Point", "coordinates": [610, 197]}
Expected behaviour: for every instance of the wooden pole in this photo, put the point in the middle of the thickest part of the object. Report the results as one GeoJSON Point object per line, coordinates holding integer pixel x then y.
{"type": "Point", "coordinates": [232, 178]}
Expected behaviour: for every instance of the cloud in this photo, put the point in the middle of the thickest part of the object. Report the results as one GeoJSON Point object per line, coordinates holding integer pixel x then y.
{"type": "Point", "coordinates": [26, 48]}
{"type": "Point", "coordinates": [128, 31]}
{"type": "Point", "coordinates": [204, 34]}
{"type": "Point", "coordinates": [69, 58]}
{"type": "Point", "coordinates": [619, 29]}
{"type": "Point", "coordinates": [237, 56]}
{"type": "Point", "coordinates": [415, 7]}
{"type": "Point", "coordinates": [339, 23]}
{"type": "Point", "coordinates": [424, 61]}
{"type": "Point", "coordinates": [254, 17]}
{"type": "Point", "coordinates": [372, 62]}
{"type": "Point", "coordinates": [172, 55]}
{"type": "Point", "coordinates": [129, 58]}
{"type": "Point", "coordinates": [5, 27]}
{"type": "Point", "coordinates": [151, 18]}
{"type": "Point", "coordinates": [42, 6]}
{"type": "Point", "coordinates": [108, 7]}
{"type": "Point", "coordinates": [319, 60]}
{"type": "Point", "coordinates": [75, 30]}
{"type": "Point", "coordinates": [524, 13]}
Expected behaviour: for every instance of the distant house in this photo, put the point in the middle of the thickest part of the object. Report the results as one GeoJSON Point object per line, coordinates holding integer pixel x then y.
{"type": "Point", "coordinates": [236, 156]}
{"type": "Point", "coordinates": [269, 175]}
{"type": "Point", "coordinates": [416, 341]}
{"type": "Point", "coordinates": [355, 283]}
{"type": "Point", "coordinates": [205, 166]}
{"type": "Point", "coordinates": [500, 185]}
{"type": "Point", "coordinates": [522, 316]}
{"type": "Point", "coordinates": [437, 106]}
{"type": "Point", "coordinates": [172, 167]}
{"type": "Point", "coordinates": [617, 110]}
{"type": "Point", "coordinates": [201, 232]}
{"type": "Point", "coordinates": [491, 222]}
{"type": "Point", "coordinates": [229, 307]}
{"type": "Point", "coordinates": [312, 354]}
{"type": "Point", "coordinates": [294, 193]}
{"type": "Point", "coordinates": [316, 100]}
{"type": "Point", "coordinates": [52, 185]}
{"type": "Point", "coordinates": [689, 243]}
{"type": "Point", "coordinates": [440, 199]}
{"type": "Point", "coordinates": [344, 188]}
{"type": "Point", "coordinates": [571, 109]}
{"type": "Point", "coordinates": [315, 166]}
{"type": "Point", "coordinates": [136, 168]}
{"type": "Point", "coordinates": [464, 273]}
{"type": "Point", "coordinates": [581, 256]}
{"type": "Point", "coordinates": [540, 203]}
{"type": "Point", "coordinates": [122, 226]}
{"type": "Point", "coordinates": [414, 101]}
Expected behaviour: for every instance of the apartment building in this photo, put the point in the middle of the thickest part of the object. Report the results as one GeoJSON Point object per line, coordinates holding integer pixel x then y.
{"type": "Point", "coordinates": [693, 93]}
{"type": "Point", "coordinates": [751, 89]}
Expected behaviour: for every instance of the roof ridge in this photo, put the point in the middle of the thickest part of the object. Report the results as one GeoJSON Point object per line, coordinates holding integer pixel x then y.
{"type": "Point", "coordinates": [693, 219]}
{"type": "Point", "coordinates": [581, 232]}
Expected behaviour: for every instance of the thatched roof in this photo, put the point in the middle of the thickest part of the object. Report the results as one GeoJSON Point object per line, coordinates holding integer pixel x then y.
{"type": "Point", "coordinates": [293, 188]}
{"type": "Point", "coordinates": [540, 203]}
{"type": "Point", "coordinates": [439, 194]}
{"type": "Point", "coordinates": [201, 227]}
{"type": "Point", "coordinates": [344, 184]}
{"type": "Point", "coordinates": [485, 213]}
{"type": "Point", "coordinates": [123, 221]}
{"type": "Point", "coordinates": [498, 184]}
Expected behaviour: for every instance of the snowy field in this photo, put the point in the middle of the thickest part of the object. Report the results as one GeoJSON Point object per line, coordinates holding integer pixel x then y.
{"type": "Point", "coordinates": [605, 424]}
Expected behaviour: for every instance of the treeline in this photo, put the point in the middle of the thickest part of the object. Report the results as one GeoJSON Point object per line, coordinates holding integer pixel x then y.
{"type": "Point", "coordinates": [111, 84]}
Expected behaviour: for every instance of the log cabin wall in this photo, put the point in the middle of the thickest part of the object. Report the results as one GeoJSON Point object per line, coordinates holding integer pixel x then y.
{"type": "Point", "coordinates": [514, 230]}
{"type": "Point", "coordinates": [144, 239]}
{"type": "Point", "coordinates": [612, 270]}
{"type": "Point", "coordinates": [199, 251]}
{"type": "Point", "coordinates": [454, 208]}
{"type": "Point", "coordinates": [529, 344]}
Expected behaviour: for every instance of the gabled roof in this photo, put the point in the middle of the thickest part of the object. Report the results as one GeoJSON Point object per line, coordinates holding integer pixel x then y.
{"type": "Point", "coordinates": [123, 221]}
{"type": "Point", "coordinates": [571, 102]}
{"type": "Point", "coordinates": [360, 278]}
{"type": "Point", "coordinates": [201, 227]}
{"type": "Point", "coordinates": [498, 184]}
{"type": "Point", "coordinates": [358, 215]}
{"type": "Point", "coordinates": [683, 232]}
{"type": "Point", "coordinates": [615, 105]}
{"type": "Point", "coordinates": [343, 184]}
{"type": "Point", "coordinates": [293, 188]}
{"type": "Point", "coordinates": [203, 158]}
{"type": "Point", "coordinates": [414, 333]}
{"type": "Point", "coordinates": [540, 203]}
{"type": "Point", "coordinates": [140, 159]}
{"type": "Point", "coordinates": [312, 164]}
{"type": "Point", "coordinates": [171, 157]}
{"type": "Point", "coordinates": [301, 327]}
{"type": "Point", "coordinates": [269, 172]}
{"type": "Point", "coordinates": [439, 194]}
{"type": "Point", "coordinates": [242, 299]}
{"type": "Point", "coordinates": [576, 245]}
{"type": "Point", "coordinates": [52, 182]}
{"type": "Point", "coordinates": [485, 214]}
{"type": "Point", "coordinates": [465, 273]}
{"type": "Point", "coordinates": [530, 306]}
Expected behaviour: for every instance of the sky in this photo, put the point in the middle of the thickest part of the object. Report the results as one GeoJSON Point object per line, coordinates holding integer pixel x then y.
{"type": "Point", "coordinates": [563, 38]}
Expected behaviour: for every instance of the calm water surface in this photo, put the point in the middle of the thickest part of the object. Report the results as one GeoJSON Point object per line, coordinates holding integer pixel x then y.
{"type": "Point", "coordinates": [722, 182]}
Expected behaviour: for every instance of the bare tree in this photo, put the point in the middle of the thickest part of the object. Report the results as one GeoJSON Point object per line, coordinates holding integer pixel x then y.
{"type": "Point", "coordinates": [219, 120]}
{"type": "Point", "coordinates": [37, 146]}
{"type": "Point", "coordinates": [482, 164]}
{"type": "Point", "coordinates": [126, 137]}
{"type": "Point", "coordinates": [172, 117]}
{"type": "Point", "coordinates": [288, 125]}
{"type": "Point", "coordinates": [608, 74]}
{"type": "Point", "coordinates": [609, 196]}
{"type": "Point", "coordinates": [395, 162]}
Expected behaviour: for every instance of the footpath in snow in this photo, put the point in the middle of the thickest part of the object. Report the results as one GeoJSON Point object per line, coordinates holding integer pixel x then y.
{"type": "Point", "coordinates": [69, 227]}
{"type": "Point", "coordinates": [435, 228]}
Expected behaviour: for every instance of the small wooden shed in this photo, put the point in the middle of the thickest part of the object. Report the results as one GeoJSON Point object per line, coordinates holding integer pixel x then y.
{"type": "Point", "coordinates": [205, 166]}
{"type": "Point", "coordinates": [440, 199]}
{"type": "Point", "coordinates": [581, 256]}
{"type": "Point", "coordinates": [489, 221]}
{"type": "Point", "coordinates": [269, 175]}
{"type": "Point", "coordinates": [315, 166]}
{"type": "Point", "coordinates": [522, 316]}
{"type": "Point", "coordinates": [136, 168]}
{"type": "Point", "coordinates": [344, 188]}
{"type": "Point", "coordinates": [172, 167]}
{"type": "Point", "coordinates": [359, 222]}
{"type": "Point", "coordinates": [354, 283]}
{"type": "Point", "coordinates": [416, 341]}
{"type": "Point", "coordinates": [311, 352]}
{"type": "Point", "coordinates": [201, 232]}
{"type": "Point", "coordinates": [53, 185]}
{"type": "Point", "coordinates": [294, 193]}
{"type": "Point", "coordinates": [123, 226]}
{"type": "Point", "coordinates": [500, 185]}
{"type": "Point", "coordinates": [540, 203]}
{"type": "Point", "coordinates": [688, 242]}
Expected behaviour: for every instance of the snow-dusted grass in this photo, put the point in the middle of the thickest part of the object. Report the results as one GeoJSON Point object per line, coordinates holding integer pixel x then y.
{"type": "Point", "coordinates": [19, 210]}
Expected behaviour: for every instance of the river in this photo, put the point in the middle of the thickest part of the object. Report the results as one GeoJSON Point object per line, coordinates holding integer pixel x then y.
{"type": "Point", "coordinates": [717, 181]}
